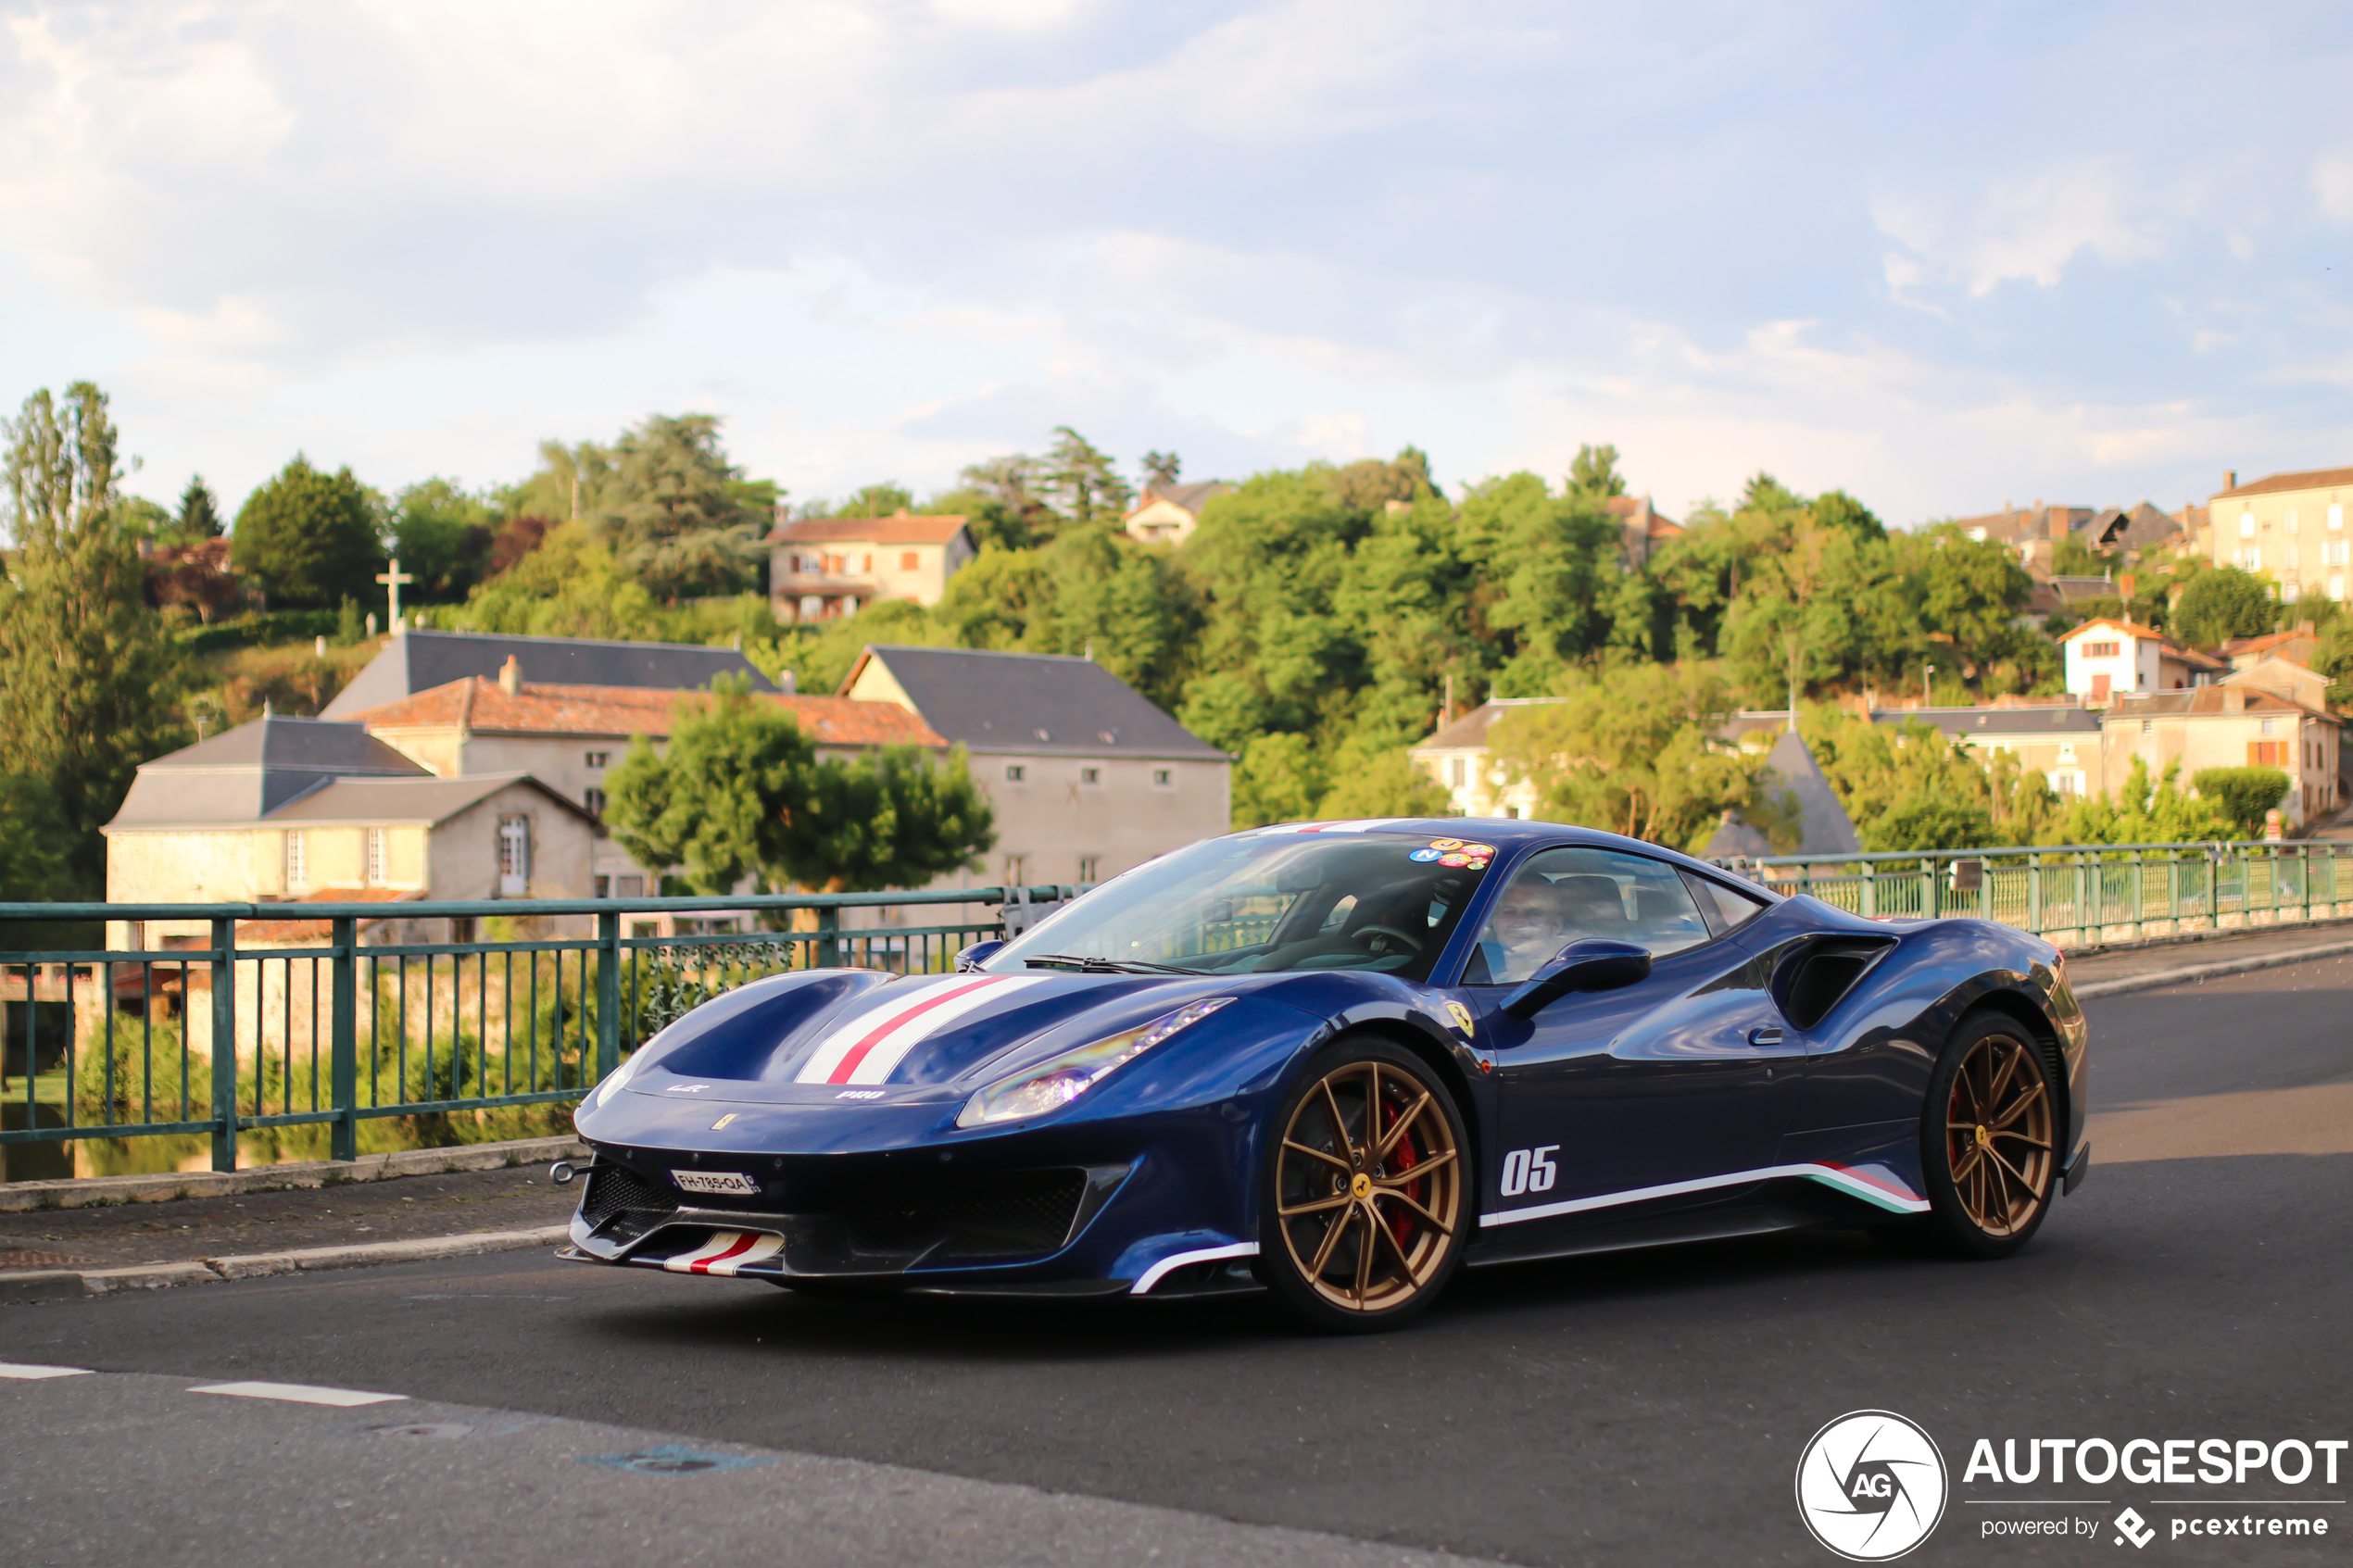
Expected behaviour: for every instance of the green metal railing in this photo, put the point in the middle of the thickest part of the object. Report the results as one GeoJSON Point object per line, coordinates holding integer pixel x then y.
{"type": "Point", "coordinates": [360, 1026]}
{"type": "Point", "coordinates": [2082, 896]}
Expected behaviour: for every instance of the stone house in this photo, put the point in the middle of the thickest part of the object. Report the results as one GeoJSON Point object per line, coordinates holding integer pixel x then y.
{"type": "Point", "coordinates": [1167, 514]}
{"type": "Point", "coordinates": [415, 661]}
{"type": "Point", "coordinates": [2229, 726]}
{"type": "Point", "coordinates": [821, 569]}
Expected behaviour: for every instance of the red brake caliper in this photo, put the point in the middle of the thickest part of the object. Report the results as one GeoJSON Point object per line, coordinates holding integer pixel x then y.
{"type": "Point", "coordinates": [1403, 1157]}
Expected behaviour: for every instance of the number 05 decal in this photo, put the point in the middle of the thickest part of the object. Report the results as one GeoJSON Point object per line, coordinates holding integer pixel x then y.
{"type": "Point", "coordinates": [1530, 1169]}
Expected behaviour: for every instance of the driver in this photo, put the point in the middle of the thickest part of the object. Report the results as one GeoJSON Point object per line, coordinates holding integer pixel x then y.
{"type": "Point", "coordinates": [1528, 926]}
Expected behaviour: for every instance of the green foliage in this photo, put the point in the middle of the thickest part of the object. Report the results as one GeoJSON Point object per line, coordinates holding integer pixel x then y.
{"type": "Point", "coordinates": [1087, 591]}
{"type": "Point", "coordinates": [1633, 750]}
{"type": "Point", "coordinates": [2071, 556]}
{"type": "Point", "coordinates": [1080, 477]}
{"type": "Point", "coordinates": [1371, 780]}
{"type": "Point", "coordinates": [2144, 811]}
{"type": "Point", "coordinates": [1593, 472]}
{"type": "Point", "coordinates": [669, 512]}
{"type": "Point", "coordinates": [442, 535]}
{"type": "Point", "coordinates": [873, 500]}
{"type": "Point", "coordinates": [2334, 657]}
{"type": "Point", "coordinates": [141, 521]}
{"type": "Point", "coordinates": [2223, 603]}
{"type": "Point", "coordinates": [570, 586]}
{"type": "Point", "coordinates": [1161, 469]}
{"type": "Point", "coordinates": [36, 863]}
{"type": "Point", "coordinates": [310, 537]}
{"type": "Point", "coordinates": [199, 516]}
{"type": "Point", "coordinates": [89, 678]}
{"type": "Point", "coordinates": [1278, 779]}
{"type": "Point", "coordinates": [2244, 795]}
{"type": "Point", "coordinates": [1910, 787]}
{"type": "Point", "coordinates": [741, 793]}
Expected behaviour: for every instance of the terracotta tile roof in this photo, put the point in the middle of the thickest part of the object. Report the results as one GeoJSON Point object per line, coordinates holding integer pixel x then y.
{"type": "Point", "coordinates": [481, 705]}
{"type": "Point", "coordinates": [2130, 628]}
{"type": "Point", "coordinates": [2311, 478]}
{"type": "Point", "coordinates": [2236, 647]}
{"type": "Point", "coordinates": [2205, 702]}
{"type": "Point", "coordinates": [250, 931]}
{"type": "Point", "coordinates": [900, 530]}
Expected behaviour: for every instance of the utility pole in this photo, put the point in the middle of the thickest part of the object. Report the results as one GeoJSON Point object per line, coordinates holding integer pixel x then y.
{"type": "Point", "coordinates": [1927, 697]}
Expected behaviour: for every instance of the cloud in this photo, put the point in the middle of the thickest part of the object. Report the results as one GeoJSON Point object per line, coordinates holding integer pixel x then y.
{"type": "Point", "coordinates": [2333, 186]}
{"type": "Point", "coordinates": [2025, 229]}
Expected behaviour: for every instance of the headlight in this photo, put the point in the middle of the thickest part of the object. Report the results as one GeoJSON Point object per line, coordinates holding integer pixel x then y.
{"type": "Point", "coordinates": [622, 1074]}
{"type": "Point", "coordinates": [1036, 1090]}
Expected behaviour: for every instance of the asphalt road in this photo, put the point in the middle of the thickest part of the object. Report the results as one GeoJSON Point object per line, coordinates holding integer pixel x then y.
{"type": "Point", "coordinates": [1641, 1408]}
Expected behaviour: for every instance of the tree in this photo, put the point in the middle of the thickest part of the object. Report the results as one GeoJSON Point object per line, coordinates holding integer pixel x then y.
{"type": "Point", "coordinates": [310, 537]}
{"type": "Point", "coordinates": [570, 586]}
{"type": "Point", "coordinates": [1161, 469]}
{"type": "Point", "coordinates": [2145, 810]}
{"type": "Point", "coordinates": [1080, 476]}
{"type": "Point", "coordinates": [36, 859]}
{"type": "Point", "coordinates": [886, 499]}
{"type": "Point", "coordinates": [1593, 473]}
{"type": "Point", "coordinates": [199, 516]}
{"type": "Point", "coordinates": [2221, 604]}
{"type": "Point", "coordinates": [1633, 751]}
{"type": "Point", "coordinates": [2246, 795]}
{"type": "Point", "coordinates": [1372, 780]}
{"type": "Point", "coordinates": [741, 793]}
{"type": "Point", "coordinates": [669, 510]}
{"type": "Point", "coordinates": [442, 536]}
{"type": "Point", "coordinates": [1278, 779]}
{"type": "Point", "coordinates": [89, 678]}
{"type": "Point", "coordinates": [1909, 786]}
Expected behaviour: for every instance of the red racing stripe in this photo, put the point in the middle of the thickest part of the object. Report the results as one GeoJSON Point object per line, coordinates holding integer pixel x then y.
{"type": "Point", "coordinates": [857, 1053]}
{"type": "Point", "coordinates": [743, 1241]}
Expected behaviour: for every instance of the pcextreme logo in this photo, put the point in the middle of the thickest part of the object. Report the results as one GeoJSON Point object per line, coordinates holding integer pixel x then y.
{"type": "Point", "coordinates": [1870, 1486]}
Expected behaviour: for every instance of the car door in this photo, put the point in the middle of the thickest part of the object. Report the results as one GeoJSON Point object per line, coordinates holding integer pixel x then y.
{"type": "Point", "coordinates": [1679, 1081]}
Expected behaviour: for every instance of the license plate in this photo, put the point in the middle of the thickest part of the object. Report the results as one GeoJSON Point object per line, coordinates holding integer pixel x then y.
{"type": "Point", "coordinates": [731, 1182]}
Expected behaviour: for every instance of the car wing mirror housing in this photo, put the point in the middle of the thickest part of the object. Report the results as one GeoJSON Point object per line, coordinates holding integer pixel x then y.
{"type": "Point", "coordinates": [1591, 965]}
{"type": "Point", "coordinates": [980, 953]}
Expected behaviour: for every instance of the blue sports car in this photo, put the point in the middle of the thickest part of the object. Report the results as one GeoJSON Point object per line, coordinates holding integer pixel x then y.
{"type": "Point", "coordinates": [1339, 1061]}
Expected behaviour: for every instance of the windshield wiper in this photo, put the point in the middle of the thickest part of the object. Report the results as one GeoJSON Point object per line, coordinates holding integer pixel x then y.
{"type": "Point", "coordinates": [1107, 966]}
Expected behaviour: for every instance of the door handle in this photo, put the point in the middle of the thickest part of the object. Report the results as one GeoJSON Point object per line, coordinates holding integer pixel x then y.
{"type": "Point", "coordinates": [1764, 1036]}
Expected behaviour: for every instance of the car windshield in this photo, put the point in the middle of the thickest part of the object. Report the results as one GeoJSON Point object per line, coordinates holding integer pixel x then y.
{"type": "Point", "coordinates": [1280, 898]}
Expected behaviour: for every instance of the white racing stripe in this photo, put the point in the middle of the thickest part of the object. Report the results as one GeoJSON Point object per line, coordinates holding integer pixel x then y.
{"type": "Point", "coordinates": [1178, 1259]}
{"type": "Point", "coordinates": [297, 1393]}
{"type": "Point", "coordinates": [24, 1370]}
{"type": "Point", "coordinates": [865, 1049]}
{"type": "Point", "coordinates": [726, 1252]}
{"type": "Point", "coordinates": [1886, 1194]}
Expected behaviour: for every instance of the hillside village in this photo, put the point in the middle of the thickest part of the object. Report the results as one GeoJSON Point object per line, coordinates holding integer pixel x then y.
{"type": "Point", "coordinates": [432, 695]}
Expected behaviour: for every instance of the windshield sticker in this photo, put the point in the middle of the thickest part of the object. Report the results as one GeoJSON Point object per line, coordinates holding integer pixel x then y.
{"type": "Point", "coordinates": [1481, 850]}
{"type": "Point", "coordinates": [1474, 863]}
{"type": "Point", "coordinates": [1453, 860]}
{"type": "Point", "coordinates": [1442, 843]}
{"type": "Point", "coordinates": [1423, 855]}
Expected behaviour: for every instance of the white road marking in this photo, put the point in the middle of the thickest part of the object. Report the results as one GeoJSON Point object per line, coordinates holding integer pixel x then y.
{"type": "Point", "coordinates": [20, 1368]}
{"type": "Point", "coordinates": [297, 1393]}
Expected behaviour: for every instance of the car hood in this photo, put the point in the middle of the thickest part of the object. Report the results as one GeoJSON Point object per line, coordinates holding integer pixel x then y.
{"type": "Point", "coordinates": [848, 1035]}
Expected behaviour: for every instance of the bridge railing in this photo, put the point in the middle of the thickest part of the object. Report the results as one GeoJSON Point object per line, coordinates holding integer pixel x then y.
{"type": "Point", "coordinates": [2082, 896]}
{"type": "Point", "coordinates": [195, 1024]}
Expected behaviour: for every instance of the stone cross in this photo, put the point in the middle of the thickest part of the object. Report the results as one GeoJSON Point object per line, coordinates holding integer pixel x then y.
{"type": "Point", "coordinates": [393, 580]}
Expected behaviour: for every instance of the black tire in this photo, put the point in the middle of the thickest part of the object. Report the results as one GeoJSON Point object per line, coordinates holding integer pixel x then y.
{"type": "Point", "coordinates": [1989, 1142]}
{"type": "Point", "coordinates": [1351, 1241]}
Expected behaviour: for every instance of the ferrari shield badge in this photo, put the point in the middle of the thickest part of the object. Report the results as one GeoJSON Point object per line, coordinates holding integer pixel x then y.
{"type": "Point", "coordinates": [1461, 1015]}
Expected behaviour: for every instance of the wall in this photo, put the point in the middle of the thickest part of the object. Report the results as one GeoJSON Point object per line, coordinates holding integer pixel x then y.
{"type": "Point", "coordinates": [465, 848]}
{"type": "Point", "coordinates": [2287, 537]}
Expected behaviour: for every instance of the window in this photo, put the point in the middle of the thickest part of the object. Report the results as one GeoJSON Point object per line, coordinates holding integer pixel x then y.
{"type": "Point", "coordinates": [2336, 587]}
{"type": "Point", "coordinates": [297, 864]}
{"type": "Point", "coordinates": [1016, 774]}
{"type": "Point", "coordinates": [2337, 552]}
{"type": "Point", "coordinates": [1456, 770]}
{"type": "Point", "coordinates": [1732, 909]}
{"type": "Point", "coordinates": [906, 560]}
{"type": "Point", "coordinates": [2337, 517]}
{"type": "Point", "coordinates": [514, 855]}
{"type": "Point", "coordinates": [1566, 896]}
{"type": "Point", "coordinates": [2247, 525]}
{"type": "Point", "coordinates": [376, 857]}
{"type": "Point", "coordinates": [2148, 726]}
{"type": "Point", "coordinates": [629, 887]}
{"type": "Point", "coordinates": [2292, 561]}
{"type": "Point", "coordinates": [600, 759]}
{"type": "Point", "coordinates": [2250, 561]}
{"type": "Point", "coordinates": [1090, 869]}
{"type": "Point", "coordinates": [2289, 518]}
{"type": "Point", "coordinates": [604, 886]}
{"type": "Point", "coordinates": [2267, 753]}
{"type": "Point", "coordinates": [594, 799]}
{"type": "Point", "coordinates": [866, 563]}
{"type": "Point", "coordinates": [2100, 650]}
{"type": "Point", "coordinates": [1163, 778]}
{"type": "Point", "coordinates": [1017, 871]}
{"type": "Point", "coordinates": [1090, 776]}
{"type": "Point", "coordinates": [2267, 726]}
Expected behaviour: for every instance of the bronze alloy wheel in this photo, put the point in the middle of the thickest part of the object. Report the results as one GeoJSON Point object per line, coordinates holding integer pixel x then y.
{"type": "Point", "coordinates": [1997, 1134]}
{"type": "Point", "coordinates": [1367, 1198]}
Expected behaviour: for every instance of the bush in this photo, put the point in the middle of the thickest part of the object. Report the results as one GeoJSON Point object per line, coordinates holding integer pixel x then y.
{"type": "Point", "coordinates": [2244, 794]}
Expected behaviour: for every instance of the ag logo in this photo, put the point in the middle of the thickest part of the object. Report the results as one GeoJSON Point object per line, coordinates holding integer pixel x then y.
{"type": "Point", "coordinates": [1870, 1486]}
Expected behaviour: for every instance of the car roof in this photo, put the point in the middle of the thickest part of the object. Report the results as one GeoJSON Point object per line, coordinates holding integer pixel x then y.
{"type": "Point", "coordinates": [1506, 834]}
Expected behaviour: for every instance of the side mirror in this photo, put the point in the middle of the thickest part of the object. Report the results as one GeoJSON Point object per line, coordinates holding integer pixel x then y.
{"type": "Point", "coordinates": [980, 953]}
{"type": "Point", "coordinates": [1590, 965]}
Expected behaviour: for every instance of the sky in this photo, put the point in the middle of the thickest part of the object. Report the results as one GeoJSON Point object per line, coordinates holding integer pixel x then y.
{"type": "Point", "coordinates": [1940, 257]}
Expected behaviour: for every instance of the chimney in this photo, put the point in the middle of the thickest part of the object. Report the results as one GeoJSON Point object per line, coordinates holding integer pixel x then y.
{"type": "Point", "coordinates": [2230, 479]}
{"type": "Point", "coordinates": [788, 683]}
{"type": "Point", "coordinates": [510, 676]}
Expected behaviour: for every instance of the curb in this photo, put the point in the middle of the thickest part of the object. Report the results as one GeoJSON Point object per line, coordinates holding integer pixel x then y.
{"type": "Point", "coordinates": [2193, 972]}
{"type": "Point", "coordinates": [18, 1197]}
{"type": "Point", "coordinates": [54, 1285]}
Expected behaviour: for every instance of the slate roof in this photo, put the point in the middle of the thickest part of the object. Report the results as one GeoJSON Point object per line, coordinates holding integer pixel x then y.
{"type": "Point", "coordinates": [1826, 828]}
{"type": "Point", "coordinates": [2210, 702]}
{"type": "Point", "coordinates": [1469, 732]}
{"type": "Point", "coordinates": [417, 661]}
{"type": "Point", "coordinates": [426, 800]}
{"type": "Point", "coordinates": [1190, 497]}
{"type": "Point", "coordinates": [482, 706]}
{"type": "Point", "coordinates": [902, 530]}
{"type": "Point", "coordinates": [2052, 719]}
{"type": "Point", "coordinates": [252, 771]}
{"type": "Point", "coordinates": [2310, 478]}
{"type": "Point", "coordinates": [1033, 703]}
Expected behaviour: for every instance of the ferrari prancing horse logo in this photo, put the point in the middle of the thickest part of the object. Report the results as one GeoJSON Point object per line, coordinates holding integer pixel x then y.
{"type": "Point", "coordinates": [1462, 1017]}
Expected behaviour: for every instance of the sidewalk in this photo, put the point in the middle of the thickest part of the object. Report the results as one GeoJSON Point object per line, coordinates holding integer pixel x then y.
{"type": "Point", "coordinates": [2113, 970]}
